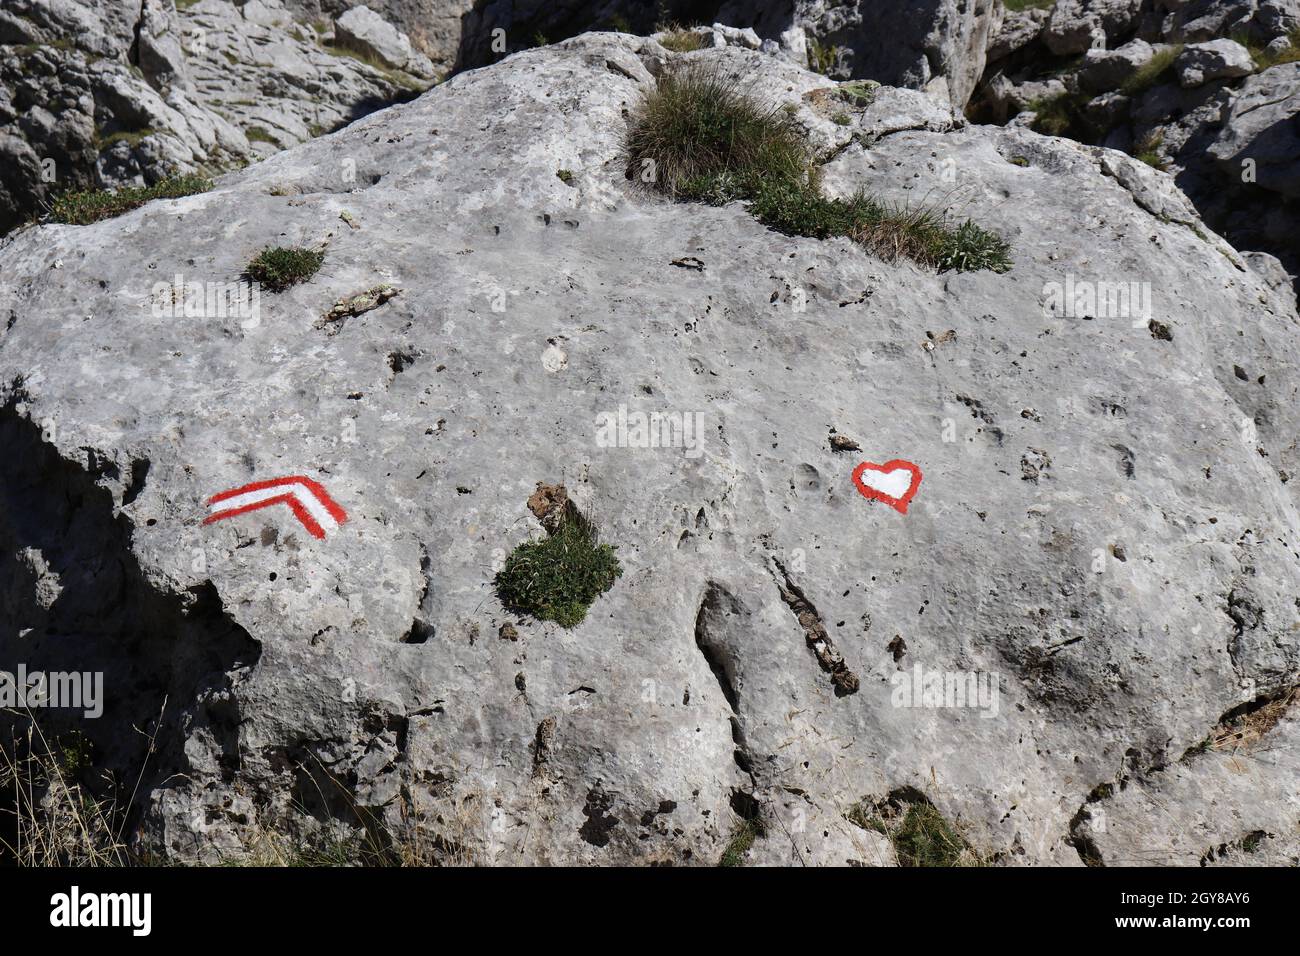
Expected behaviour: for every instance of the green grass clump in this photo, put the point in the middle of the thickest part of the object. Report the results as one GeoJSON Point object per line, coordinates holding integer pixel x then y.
{"type": "Point", "coordinates": [258, 134]}
{"type": "Point", "coordinates": [1290, 54]}
{"type": "Point", "coordinates": [1059, 115]}
{"type": "Point", "coordinates": [679, 39]}
{"type": "Point", "coordinates": [917, 831]}
{"type": "Point", "coordinates": [969, 248]}
{"type": "Point", "coordinates": [396, 77]}
{"type": "Point", "coordinates": [925, 838]}
{"type": "Point", "coordinates": [741, 840]}
{"type": "Point", "coordinates": [706, 141]}
{"type": "Point", "coordinates": [1152, 71]}
{"type": "Point", "coordinates": [1147, 149]}
{"type": "Point", "coordinates": [82, 207]}
{"type": "Point", "coordinates": [132, 137]}
{"type": "Point", "coordinates": [859, 93]}
{"type": "Point", "coordinates": [696, 125]}
{"type": "Point", "coordinates": [822, 59]}
{"type": "Point", "coordinates": [276, 269]}
{"type": "Point", "coordinates": [1263, 59]}
{"type": "Point", "coordinates": [1015, 5]}
{"type": "Point", "coordinates": [558, 577]}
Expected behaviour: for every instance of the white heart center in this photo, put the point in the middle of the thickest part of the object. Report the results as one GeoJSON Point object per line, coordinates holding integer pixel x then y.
{"type": "Point", "coordinates": [892, 483]}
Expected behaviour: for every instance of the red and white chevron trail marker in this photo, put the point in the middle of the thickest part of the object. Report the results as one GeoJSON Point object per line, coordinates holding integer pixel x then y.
{"type": "Point", "coordinates": [309, 501]}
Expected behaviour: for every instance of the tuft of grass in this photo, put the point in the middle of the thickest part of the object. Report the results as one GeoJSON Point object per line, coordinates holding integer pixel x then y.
{"type": "Point", "coordinates": [276, 269]}
{"type": "Point", "coordinates": [1262, 58]}
{"type": "Point", "coordinates": [706, 141]}
{"type": "Point", "coordinates": [48, 816]}
{"type": "Point", "coordinates": [822, 59]}
{"type": "Point", "coordinates": [1152, 71]}
{"type": "Point", "coordinates": [399, 78]}
{"type": "Point", "coordinates": [558, 577]}
{"type": "Point", "coordinates": [1015, 5]}
{"type": "Point", "coordinates": [861, 815]}
{"type": "Point", "coordinates": [1147, 149]}
{"type": "Point", "coordinates": [859, 93]}
{"type": "Point", "coordinates": [82, 207]}
{"type": "Point", "coordinates": [925, 838]}
{"type": "Point", "coordinates": [842, 119]}
{"type": "Point", "coordinates": [678, 39]}
{"type": "Point", "coordinates": [918, 832]}
{"type": "Point", "coordinates": [969, 248]}
{"type": "Point", "coordinates": [1059, 115]}
{"type": "Point", "coordinates": [132, 137]}
{"type": "Point", "coordinates": [741, 840]}
{"type": "Point", "coordinates": [696, 126]}
{"type": "Point", "coordinates": [258, 134]}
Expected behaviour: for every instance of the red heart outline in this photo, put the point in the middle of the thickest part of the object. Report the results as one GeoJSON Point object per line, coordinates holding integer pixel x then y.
{"type": "Point", "coordinates": [871, 494]}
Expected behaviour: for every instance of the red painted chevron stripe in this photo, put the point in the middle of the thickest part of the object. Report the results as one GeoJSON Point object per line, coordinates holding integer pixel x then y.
{"type": "Point", "coordinates": [307, 499]}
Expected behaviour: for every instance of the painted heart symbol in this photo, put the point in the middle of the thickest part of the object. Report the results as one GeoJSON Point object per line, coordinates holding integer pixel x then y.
{"type": "Point", "coordinates": [895, 482]}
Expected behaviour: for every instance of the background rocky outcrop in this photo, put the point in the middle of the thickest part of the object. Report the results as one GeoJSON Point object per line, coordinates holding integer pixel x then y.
{"type": "Point", "coordinates": [1108, 518]}
{"type": "Point", "coordinates": [102, 94]}
{"type": "Point", "coordinates": [934, 44]}
{"type": "Point", "coordinates": [1206, 90]}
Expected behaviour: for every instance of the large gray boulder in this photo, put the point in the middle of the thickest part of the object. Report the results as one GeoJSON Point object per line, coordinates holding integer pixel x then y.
{"type": "Point", "coordinates": [1106, 522]}
{"type": "Point", "coordinates": [1075, 26]}
{"type": "Point", "coordinates": [366, 32]}
{"type": "Point", "coordinates": [1019, 30]}
{"type": "Point", "coordinates": [1259, 139]}
{"type": "Point", "coordinates": [1104, 70]}
{"type": "Point", "coordinates": [1213, 60]}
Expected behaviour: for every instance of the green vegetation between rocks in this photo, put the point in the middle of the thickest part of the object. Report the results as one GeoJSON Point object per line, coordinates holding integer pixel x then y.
{"type": "Point", "coordinates": [822, 59]}
{"type": "Point", "coordinates": [399, 78]}
{"type": "Point", "coordinates": [859, 93]}
{"type": "Point", "coordinates": [259, 134]}
{"type": "Point", "coordinates": [558, 577]}
{"type": "Point", "coordinates": [1147, 150]}
{"type": "Point", "coordinates": [82, 207]}
{"type": "Point", "coordinates": [1015, 5]}
{"type": "Point", "coordinates": [679, 39]}
{"type": "Point", "coordinates": [925, 838]}
{"type": "Point", "coordinates": [276, 269]}
{"type": "Point", "coordinates": [132, 137]}
{"type": "Point", "coordinates": [699, 138]}
{"type": "Point", "coordinates": [1152, 71]}
{"type": "Point", "coordinates": [1060, 115]}
{"type": "Point", "coordinates": [1262, 58]}
{"type": "Point", "coordinates": [920, 835]}
{"type": "Point", "coordinates": [741, 840]}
